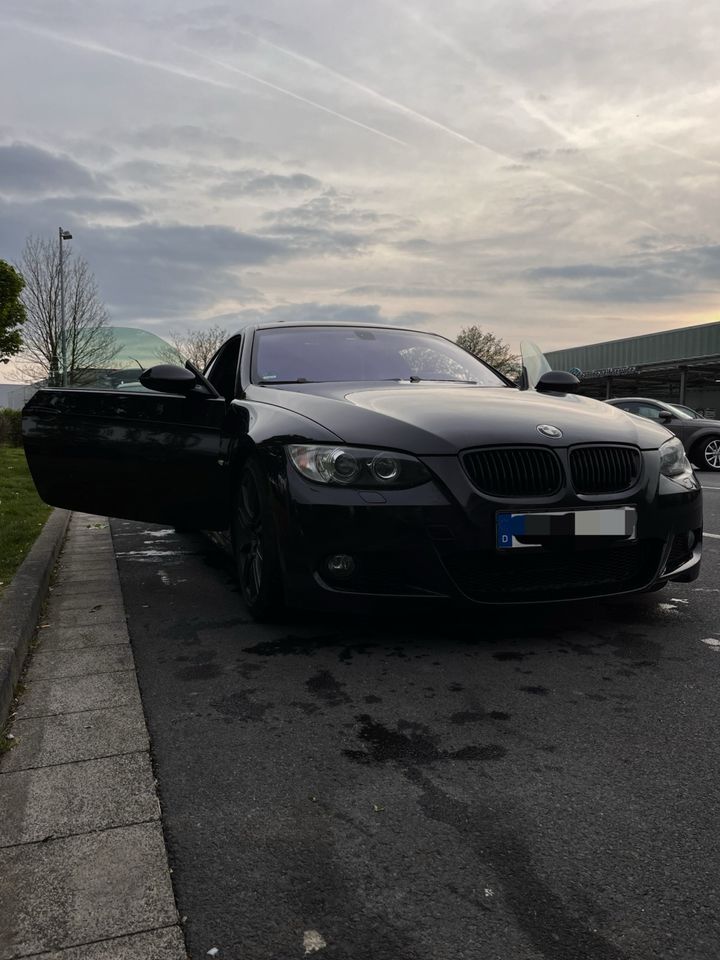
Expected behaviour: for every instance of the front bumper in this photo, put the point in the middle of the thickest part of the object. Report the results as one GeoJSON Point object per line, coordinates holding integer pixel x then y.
{"type": "Point", "coordinates": [437, 541]}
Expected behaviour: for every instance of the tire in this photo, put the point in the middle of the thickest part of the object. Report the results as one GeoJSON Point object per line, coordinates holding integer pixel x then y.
{"type": "Point", "coordinates": [707, 454]}
{"type": "Point", "coordinates": [255, 546]}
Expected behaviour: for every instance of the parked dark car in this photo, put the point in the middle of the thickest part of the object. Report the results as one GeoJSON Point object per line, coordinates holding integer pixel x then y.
{"type": "Point", "coordinates": [353, 463]}
{"type": "Point", "coordinates": [700, 437]}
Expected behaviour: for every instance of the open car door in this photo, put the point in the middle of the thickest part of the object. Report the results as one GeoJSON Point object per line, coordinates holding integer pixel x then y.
{"type": "Point", "coordinates": [136, 454]}
{"type": "Point", "coordinates": [534, 364]}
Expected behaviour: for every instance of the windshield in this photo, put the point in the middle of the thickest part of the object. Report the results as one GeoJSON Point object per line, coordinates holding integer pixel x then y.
{"type": "Point", "coordinates": [683, 412]}
{"type": "Point", "coordinates": [341, 354]}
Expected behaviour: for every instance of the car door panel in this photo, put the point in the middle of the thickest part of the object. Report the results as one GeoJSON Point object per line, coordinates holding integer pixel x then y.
{"type": "Point", "coordinates": [140, 456]}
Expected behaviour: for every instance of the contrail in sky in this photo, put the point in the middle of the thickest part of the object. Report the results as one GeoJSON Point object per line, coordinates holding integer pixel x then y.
{"type": "Point", "coordinates": [95, 47]}
{"type": "Point", "coordinates": [490, 74]}
{"type": "Point", "coordinates": [521, 102]}
{"type": "Point", "coordinates": [387, 101]}
{"type": "Point", "coordinates": [290, 93]}
{"type": "Point", "coordinates": [402, 108]}
{"type": "Point", "coordinates": [681, 153]}
{"type": "Point", "coordinates": [178, 71]}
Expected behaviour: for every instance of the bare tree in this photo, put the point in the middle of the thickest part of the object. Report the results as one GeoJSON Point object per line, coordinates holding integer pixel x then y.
{"type": "Point", "coordinates": [90, 344]}
{"type": "Point", "coordinates": [490, 348]}
{"type": "Point", "coordinates": [197, 346]}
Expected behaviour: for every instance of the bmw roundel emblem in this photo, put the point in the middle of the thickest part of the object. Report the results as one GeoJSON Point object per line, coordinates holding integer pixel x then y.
{"type": "Point", "coordinates": [547, 430]}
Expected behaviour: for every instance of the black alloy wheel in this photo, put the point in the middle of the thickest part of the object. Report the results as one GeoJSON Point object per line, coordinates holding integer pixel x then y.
{"type": "Point", "coordinates": [708, 454]}
{"type": "Point", "coordinates": [255, 547]}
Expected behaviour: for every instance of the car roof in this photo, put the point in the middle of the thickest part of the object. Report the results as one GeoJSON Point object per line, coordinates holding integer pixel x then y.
{"type": "Point", "coordinates": [638, 399]}
{"type": "Point", "coordinates": [278, 324]}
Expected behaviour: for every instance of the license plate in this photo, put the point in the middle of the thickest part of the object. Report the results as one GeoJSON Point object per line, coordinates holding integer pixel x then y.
{"type": "Point", "coordinates": [539, 529]}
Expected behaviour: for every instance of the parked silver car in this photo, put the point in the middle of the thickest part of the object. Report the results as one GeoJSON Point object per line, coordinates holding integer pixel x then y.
{"type": "Point", "coordinates": [699, 436]}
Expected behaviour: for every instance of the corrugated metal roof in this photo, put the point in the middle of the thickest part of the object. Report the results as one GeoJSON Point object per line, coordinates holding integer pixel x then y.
{"type": "Point", "coordinates": [683, 343]}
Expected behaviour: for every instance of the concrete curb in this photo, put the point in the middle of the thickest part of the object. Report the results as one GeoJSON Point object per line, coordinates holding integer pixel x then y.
{"type": "Point", "coordinates": [21, 603]}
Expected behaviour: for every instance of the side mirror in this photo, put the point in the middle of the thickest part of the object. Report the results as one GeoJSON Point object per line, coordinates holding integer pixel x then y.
{"type": "Point", "coordinates": [665, 416]}
{"type": "Point", "coordinates": [558, 381]}
{"type": "Point", "coordinates": [169, 379]}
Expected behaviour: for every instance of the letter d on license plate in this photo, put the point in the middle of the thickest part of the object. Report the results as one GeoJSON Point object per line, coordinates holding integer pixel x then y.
{"type": "Point", "coordinates": [535, 529]}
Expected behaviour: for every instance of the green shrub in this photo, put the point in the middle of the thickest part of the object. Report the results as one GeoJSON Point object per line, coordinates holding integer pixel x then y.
{"type": "Point", "coordinates": [10, 427]}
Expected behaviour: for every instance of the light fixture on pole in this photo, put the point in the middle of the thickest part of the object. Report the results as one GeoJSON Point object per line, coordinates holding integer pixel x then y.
{"type": "Point", "coordinates": [63, 235]}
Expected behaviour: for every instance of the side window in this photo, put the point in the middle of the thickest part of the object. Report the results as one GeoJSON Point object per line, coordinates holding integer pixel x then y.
{"type": "Point", "coordinates": [222, 372]}
{"type": "Point", "coordinates": [648, 410]}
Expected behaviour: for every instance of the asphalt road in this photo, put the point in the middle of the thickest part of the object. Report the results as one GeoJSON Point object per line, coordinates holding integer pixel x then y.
{"type": "Point", "coordinates": [517, 785]}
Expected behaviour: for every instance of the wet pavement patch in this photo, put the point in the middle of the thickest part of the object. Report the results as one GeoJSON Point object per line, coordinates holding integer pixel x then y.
{"type": "Point", "coordinates": [411, 744]}
{"type": "Point", "coordinates": [468, 716]}
{"type": "Point", "coordinates": [241, 706]}
{"type": "Point", "coordinates": [325, 687]}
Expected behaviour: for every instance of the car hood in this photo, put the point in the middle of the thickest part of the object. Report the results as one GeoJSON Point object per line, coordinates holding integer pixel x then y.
{"type": "Point", "coordinates": [435, 419]}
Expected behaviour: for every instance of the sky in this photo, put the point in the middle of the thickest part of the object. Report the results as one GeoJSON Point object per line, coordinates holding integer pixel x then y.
{"type": "Point", "coordinates": [547, 169]}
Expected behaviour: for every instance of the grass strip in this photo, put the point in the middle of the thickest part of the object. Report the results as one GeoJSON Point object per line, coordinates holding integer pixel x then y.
{"type": "Point", "coordinates": [22, 512]}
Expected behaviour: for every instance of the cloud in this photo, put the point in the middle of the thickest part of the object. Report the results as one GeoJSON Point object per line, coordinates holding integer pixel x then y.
{"type": "Point", "coordinates": [333, 313]}
{"type": "Point", "coordinates": [266, 183]}
{"type": "Point", "coordinates": [155, 270]}
{"type": "Point", "coordinates": [331, 208]}
{"type": "Point", "coordinates": [191, 138]}
{"type": "Point", "coordinates": [27, 169]}
{"type": "Point", "coordinates": [319, 241]}
{"type": "Point", "coordinates": [332, 224]}
{"type": "Point", "coordinates": [313, 312]}
{"type": "Point", "coordinates": [666, 274]}
{"type": "Point", "coordinates": [542, 153]}
{"type": "Point", "coordinates": [151, 271]}
{"type": "Point", "coordinates": [411, 291]}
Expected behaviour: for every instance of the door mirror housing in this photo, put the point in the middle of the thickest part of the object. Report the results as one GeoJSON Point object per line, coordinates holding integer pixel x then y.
{"type": "Point", "coordinates": [167, 378]}
{"type": "Point", "coordinates": [558, 381]}
{"type": "Point", "coordinates": [665, 416]}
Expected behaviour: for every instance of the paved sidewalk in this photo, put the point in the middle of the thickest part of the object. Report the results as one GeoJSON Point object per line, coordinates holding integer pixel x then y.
{"type": "Point", "coordinates": [83, 867]}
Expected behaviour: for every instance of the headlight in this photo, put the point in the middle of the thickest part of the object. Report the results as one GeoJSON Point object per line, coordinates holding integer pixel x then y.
{"type": "Point", "coordinates": [356, 467]}
{"type": "Point", "coordinates": [673, 462]}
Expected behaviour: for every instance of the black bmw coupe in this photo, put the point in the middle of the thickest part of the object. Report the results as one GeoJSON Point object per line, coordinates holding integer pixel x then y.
{"type": "Point", "coordinates": [355, 462]}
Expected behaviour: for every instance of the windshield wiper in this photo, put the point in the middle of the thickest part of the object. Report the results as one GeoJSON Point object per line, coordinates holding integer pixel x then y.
{"type": "Point", "coordinates": [273, 383]}
{"type": "Point", "coordinates": [440, 380]}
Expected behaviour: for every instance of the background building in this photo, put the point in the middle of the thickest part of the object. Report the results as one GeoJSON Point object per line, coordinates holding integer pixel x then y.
{"type": "Point", "coordinates": [680, 365]}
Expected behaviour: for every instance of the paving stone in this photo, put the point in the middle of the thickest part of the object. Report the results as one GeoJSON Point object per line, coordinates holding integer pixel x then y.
{"type": "Point", "coordinates": [99, 540]}
{"type": "Point", "coordinates": [79, 545]}
{"type": "Point", "coordinates": [82, 567]}
{"type": "Point", "coordinates": [69, 638]}
{"type": "Point", "coordinates": [83, 889]}
{"type": "Point", "coordinates": [102, 559]}
{"type": "Point", "coordinates": [106, 613]}
{"type": "Point", "coordinates": [100, 556]}
{"type": "Point", "coordinates": [165, 944]}
{"type": "Point", "coordinates": [71, 695]}
{"type": "Point", "coordinates": [78, 605]}
{"type": "Point", "coordinates": [50, 664]}
{"type": "Point", "coordinates": [66, 738]}
{"type": "Point", "coordinates": [81, 586]}
{"type": "Point", "coordinates": [75, 798]}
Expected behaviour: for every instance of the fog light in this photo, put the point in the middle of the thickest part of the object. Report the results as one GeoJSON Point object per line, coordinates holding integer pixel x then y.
{"type": "Point", "coordinates": [691, 540]}
{"type": "Point", "coordinates": [340, 565]}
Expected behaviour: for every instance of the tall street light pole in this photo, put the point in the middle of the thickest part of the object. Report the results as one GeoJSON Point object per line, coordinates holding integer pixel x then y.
{"type": "Point", "coordinates": [63, 235]}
